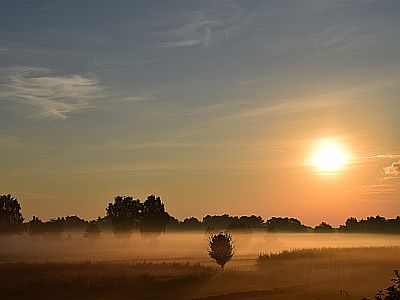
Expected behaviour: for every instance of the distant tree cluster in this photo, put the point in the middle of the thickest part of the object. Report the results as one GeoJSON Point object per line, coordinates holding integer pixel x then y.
{"type": "Point", "coordinates": [376, 224]}
{"type": "Point", "coordinates": [229, 223]}
{"type": "Point", "coordinates": [126, 214]}
{"type": "Point", "coordinates": [324, 228]}
{"type": "Point", "coordinates": [232, 222]}
{"type": "Point", "coordinates": [286, 225]}
{"type": "Point", "coordinates": [36, 227]}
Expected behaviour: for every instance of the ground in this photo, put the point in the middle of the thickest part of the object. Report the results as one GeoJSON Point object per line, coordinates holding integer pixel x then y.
{"type": "Point", "coordinates": [306, 274]}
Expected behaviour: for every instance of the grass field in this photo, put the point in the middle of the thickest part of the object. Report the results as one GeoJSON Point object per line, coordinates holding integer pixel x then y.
{"type": "Point", "coordinates": [295, 274]}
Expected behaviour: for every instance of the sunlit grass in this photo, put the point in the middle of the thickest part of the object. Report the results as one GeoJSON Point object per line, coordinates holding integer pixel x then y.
{"type": "Point", "coordinates": [315, 253]}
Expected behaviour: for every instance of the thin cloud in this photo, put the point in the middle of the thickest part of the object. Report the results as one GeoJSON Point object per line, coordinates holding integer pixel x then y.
{"type": "Point", "coordinates": [374, 189]}
{"type": "Point", "coordinates": [187, 43]}
{"type": "Point", "coordinates": [207, 26]}
{"type": "Point", "coordinates": [54, 96]}
{"type": "Point", "coordinates": [389, 155]}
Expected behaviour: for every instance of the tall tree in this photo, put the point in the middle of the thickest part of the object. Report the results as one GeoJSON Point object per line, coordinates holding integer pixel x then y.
{"type": "Point", "coordinates": [125, 214]}
{"type": "Point", "coordinates": [154, 217]}
{"type": "Point", "coordinates": [11, 220]}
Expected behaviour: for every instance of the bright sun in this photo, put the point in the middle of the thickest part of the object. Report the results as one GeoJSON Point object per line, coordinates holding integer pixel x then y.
{"type": "Point", "coordinates": [329, 157]}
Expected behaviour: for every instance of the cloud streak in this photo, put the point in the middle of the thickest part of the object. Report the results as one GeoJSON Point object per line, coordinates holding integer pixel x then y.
{"type": "Point", "coordinates": [374, 189]}
{"type": "Point", "coordinates": [207, 26]}
{"type": "Point", "coordinates": [388, 155]}
{"type": "Point", "coordinates": [54, 96]}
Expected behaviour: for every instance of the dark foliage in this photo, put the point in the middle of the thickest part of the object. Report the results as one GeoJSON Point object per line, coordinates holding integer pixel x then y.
{"type": "Point", "coordinates": [324, 228]}
{"type": "Point", "coordinates": [225, 221]}
{"type": "Point", "coordinates": [125, 214]}
{"type": "Point", "coordinates": [286, 224]}
{"type": "Point", "coordinates": [376, 224]}
{"type": "Point", "coordinates": [390, 293]}
{"type": "Point", "coordinates": [11, 220]}
{"type": "Point", "coordinates": [154, 218]}
{"type": "Point", "coordinates": [191, 224]}
{"type": "Point", "coordinates": [188, 224]}
{"type": "Point", "coordinates": [221, 248]}
{"type": "Point", "coordinates": [37, 227]}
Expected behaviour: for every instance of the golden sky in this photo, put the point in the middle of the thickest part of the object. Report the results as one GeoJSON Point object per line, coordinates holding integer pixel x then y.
{"type": "Point", "coordinates": [216, 107]}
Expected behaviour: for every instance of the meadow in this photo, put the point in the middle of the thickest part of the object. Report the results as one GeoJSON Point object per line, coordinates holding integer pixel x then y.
{"type": "Point", "coordinates": [176, 266]}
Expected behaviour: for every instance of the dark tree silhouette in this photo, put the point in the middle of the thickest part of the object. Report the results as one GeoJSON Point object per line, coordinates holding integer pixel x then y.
{"type": "Point", "coordinates": [92, 232]}
{"type": "Point", "coordinates": [221, 248]}
{"type": "Point", "coordinates": [286, 224]}
{"type": "Point", "coordinates": [125, 215]}
{"type": "Point", "coordinates": [323, 228]}
{"type": "Point", "coordinates": [226, 221]}
{"type": "Point", "coordinates": [11, 220]}
{"type": "Point", "coordinates": [376, 224]}
{"type": "Point", "coordinates": [154, 218]}
{"type": "Point", "coordinates": [37, 228]}
{"type": "Point", "coordinates": [191, 224]}
{"type": "Point", "coordinates": [217, 222]}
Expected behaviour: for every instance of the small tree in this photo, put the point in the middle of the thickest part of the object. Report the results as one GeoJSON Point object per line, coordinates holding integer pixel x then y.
{"type": "Point", "coordinates": [92, 232]}
{"type": "Point", "coordinates": [221, 248]}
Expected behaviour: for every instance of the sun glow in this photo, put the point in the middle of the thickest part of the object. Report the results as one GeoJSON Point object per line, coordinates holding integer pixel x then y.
{"type": "Point", "coordinates": [329, 157]}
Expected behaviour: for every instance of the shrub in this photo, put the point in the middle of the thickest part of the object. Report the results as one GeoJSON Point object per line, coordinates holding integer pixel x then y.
{"type": "Point", "coordinates": [221, 248]}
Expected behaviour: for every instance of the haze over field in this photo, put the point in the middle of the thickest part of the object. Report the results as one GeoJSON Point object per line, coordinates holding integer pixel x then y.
{"type": "Point", "coordinates": [178, 247]}
{"type": "Point", "coordinates": [217, 106]}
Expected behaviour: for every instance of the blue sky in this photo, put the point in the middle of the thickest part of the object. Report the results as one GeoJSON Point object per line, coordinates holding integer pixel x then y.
{"type": "Point", "coordinates": [203, 102]}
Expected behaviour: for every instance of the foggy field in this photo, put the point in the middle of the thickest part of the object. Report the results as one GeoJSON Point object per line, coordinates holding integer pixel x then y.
{"type": "Point", "coordinates": [176, 266]}
{"type": "Point", "coordinates": [177, 247]}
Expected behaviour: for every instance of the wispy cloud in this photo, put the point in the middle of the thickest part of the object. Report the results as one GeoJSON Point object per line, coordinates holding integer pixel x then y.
{"type": "Point", "coordinates": [206, 26]}
{"type": "Point", "coordinates": [388, 155]}
{"type": "Point", "coordinates": [374, 189]}
{"type": "Point", "coordinates": [197, 31]}
{"type": "Point", "coordinates": [186, 43]}
{"type": "Point", "coordinates": [3, 50]}
{"type": "Point", "coordinates": [54, 96]}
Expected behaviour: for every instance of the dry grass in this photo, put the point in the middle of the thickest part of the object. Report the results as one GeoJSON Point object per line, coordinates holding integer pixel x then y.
{"type": "Point", "coordinates": [99, 280]}
{"type": "Point", "coordinates": [302, 274]}
{"type": "Point", "coordinates": [324, 253]}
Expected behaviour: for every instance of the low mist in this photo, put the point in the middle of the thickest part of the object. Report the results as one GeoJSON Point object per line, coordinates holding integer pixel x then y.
{"type": "Point", "coordinates": [176, 247]}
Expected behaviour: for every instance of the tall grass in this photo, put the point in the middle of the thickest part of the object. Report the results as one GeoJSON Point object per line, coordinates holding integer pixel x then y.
{"type": "Point", "coordinates": [315, 253]}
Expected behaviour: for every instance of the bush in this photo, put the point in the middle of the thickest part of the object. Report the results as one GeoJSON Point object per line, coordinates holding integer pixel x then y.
{"type": "Point", "coordinates": [221, 248]}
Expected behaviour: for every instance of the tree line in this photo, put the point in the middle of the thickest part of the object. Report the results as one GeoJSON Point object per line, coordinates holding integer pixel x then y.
{"type": "Point", "coordinates": [126, 215]}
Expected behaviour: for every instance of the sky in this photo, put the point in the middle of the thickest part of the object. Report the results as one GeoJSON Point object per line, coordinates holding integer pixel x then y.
{"type": "Point", "coordinates": [215, 106]}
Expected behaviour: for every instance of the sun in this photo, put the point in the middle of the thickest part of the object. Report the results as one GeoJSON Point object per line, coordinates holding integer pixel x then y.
{"type": "Point", "coordinates": [329, 157]}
